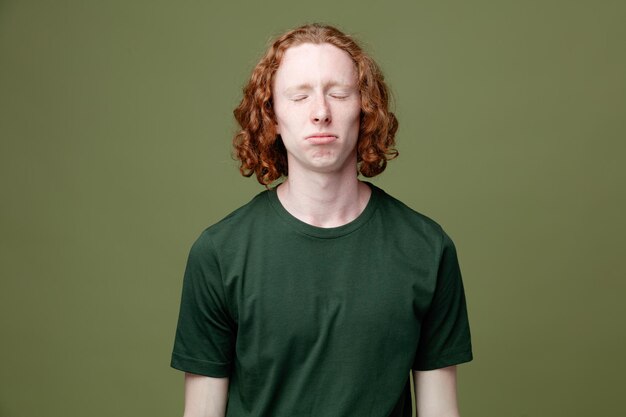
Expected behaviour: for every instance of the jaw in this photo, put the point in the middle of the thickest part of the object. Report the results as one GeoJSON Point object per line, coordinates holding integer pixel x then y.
{"type": "Point", "coordinates": [324, 163]}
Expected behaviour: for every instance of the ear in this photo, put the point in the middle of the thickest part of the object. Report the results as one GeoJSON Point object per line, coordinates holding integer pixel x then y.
{"type": "Point", "coordinates": [270, 106]}
{"type": "Point", "coordinates": [276, 128]}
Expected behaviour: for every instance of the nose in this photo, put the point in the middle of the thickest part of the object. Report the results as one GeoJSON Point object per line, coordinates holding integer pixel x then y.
{"type": "Point", "coordinates": [320, 113]}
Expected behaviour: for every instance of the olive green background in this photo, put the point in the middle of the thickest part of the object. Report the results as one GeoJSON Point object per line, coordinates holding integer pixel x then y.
{"type": "Point", "coordinates": [115, 128]}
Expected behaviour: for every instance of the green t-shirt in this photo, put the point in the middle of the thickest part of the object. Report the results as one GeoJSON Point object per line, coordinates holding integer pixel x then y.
{"type": "Point", "coordinates": [310, 321]}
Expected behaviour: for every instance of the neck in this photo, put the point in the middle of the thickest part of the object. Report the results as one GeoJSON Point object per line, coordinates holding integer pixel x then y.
{"type": "Point", "coordinates": [324, 200]}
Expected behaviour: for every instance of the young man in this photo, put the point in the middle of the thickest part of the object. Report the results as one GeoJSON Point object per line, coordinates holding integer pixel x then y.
{"type": "Point", "coordinates": [322, 294]}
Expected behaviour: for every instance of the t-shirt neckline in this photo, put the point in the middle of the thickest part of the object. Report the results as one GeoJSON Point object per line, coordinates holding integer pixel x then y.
{"type": "Point", "coordinates": [325, 232]}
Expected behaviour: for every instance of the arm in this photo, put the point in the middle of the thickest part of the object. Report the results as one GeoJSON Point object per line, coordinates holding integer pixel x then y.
{"type": "Point", "coordinates": [435, 392]}
{"type": "Point", "coordinates": [205, 396]}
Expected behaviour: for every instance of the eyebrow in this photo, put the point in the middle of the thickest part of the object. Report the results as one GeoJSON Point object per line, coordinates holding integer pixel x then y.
{"type": "Point", "coordinates": [307, 86]}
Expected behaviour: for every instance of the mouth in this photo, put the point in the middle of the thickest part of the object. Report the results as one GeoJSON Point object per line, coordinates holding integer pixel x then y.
{"type": "Point", "coordinates": [321, 138]}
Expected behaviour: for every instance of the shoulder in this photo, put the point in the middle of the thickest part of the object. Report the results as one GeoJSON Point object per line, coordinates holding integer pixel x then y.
{"type": "Point", "coordinates": [403, 219]}
{"type": "Point", "coordinates": [239, 222]}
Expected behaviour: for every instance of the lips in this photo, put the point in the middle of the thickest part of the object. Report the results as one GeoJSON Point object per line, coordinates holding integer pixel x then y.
{"type": "Point", "coordinates": [321, 138]}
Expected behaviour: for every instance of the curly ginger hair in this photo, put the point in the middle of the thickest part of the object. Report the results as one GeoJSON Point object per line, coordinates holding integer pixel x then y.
{"type": "Point", "coordinates": [261, 151]}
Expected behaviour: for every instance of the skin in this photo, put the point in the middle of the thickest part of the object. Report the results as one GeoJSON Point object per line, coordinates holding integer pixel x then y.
{"type": "Point", "coordinates": [205, 396]}
{"type": "Point", "coordinates": [317, 106]}
{"type": "Point", "coordinates": [435, 393]}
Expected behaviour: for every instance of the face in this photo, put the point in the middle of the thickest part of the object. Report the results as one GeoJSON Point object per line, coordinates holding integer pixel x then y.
{"type": "Point", "coordinates": [317, 106]}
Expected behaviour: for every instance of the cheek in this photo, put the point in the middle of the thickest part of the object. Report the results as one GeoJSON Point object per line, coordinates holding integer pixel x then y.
{"type": "Point", "coordinates": [355, 110]}
{"type": "Point", "coordinates": [348, 114]}
{"type": "Point", "coordinates": [355, 116]}
{"type": "Point", "coordinates": [286, 119]}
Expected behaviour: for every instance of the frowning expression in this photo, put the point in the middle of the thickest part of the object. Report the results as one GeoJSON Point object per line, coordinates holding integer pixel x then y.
{"type": "Point", "coordinates": [317, 106]}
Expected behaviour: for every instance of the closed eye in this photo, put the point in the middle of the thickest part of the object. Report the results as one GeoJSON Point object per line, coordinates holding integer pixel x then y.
{"type": "Point", "coordinates": [298, 98]}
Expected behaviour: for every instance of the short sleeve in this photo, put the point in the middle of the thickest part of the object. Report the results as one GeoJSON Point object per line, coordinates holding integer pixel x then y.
{"type": "Point", "coordinates": [445, 334]}
{"type": "Point", "coordinates": [205, 334]}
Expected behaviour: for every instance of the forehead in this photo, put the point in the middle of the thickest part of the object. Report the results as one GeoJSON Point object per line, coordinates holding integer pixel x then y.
{"type": "Point", "coordinates": [309, 63]}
